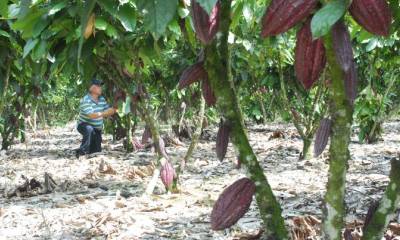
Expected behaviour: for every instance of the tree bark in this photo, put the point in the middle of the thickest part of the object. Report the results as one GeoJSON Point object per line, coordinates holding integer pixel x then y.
{"type": "Point", "coordinates": [341, 112]}
{"type": "Point", "coordinates": [219, 69]}
{"type": "Point", "coordinates": [387, 206]}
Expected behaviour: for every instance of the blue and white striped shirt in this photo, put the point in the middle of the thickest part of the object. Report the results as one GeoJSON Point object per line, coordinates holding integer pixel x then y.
{"type": "Point", "coordinates": [88, 106]}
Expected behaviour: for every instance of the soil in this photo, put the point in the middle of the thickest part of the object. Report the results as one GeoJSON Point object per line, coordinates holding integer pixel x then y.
{"type": "Point", "coordinates": [102, 196]}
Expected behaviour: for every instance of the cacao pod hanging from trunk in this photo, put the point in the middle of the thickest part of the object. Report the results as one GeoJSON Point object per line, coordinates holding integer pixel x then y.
{"type": "Point", "coordinates": [208, 93]}
{"type": "Point", "coordinates": [206, 26]}
{"type": "Point", "coordinates": [281, 15]}
{"type": "Point", "coordinates": [167, 174]}
{"type": "Point", "coordinates": [350, 83]}
{"type": "Point", "coordinates": [232, 204]}
{"type": "Point", "coordinates": [192, 74]}
{"type": "Point", "coordinates": [146, 135]}
{"type": "Point", "coordinates": [222, 139]}
{"type": "Point", "coordinates": [322, 136]}
{"type": "Point", "coordinates": [310, 57]}
{"type": "Point", "coordinates": [342, 46]}
{"type": "Point", "coordinates": [373, 15]}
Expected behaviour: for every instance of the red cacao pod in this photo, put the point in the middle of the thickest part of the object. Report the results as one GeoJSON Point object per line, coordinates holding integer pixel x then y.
{"type": "Point", "coordinates": [310, 58]}
{"type": "Point", "coordinates": [146, 135]}
{"type": "Point", "coordinates": [281, 15]}
{"type": "Point", "coordinates": [208, 93]}
{"type": "Point", "coordinates": [322, 136]}
{"type": "Point", "coordinates": [167, 174]}
{"type": "Point", "coordinates": [222, 139]}
{"type": "Point", "coordinates": [192, 74]}
{"type": "Point", "coordinates": [350, 83]}
{"type": "Point", "coordinates": [373, 15]}
{"type": "Point", "coordinates": [206, 26]}
{"type": "Point", "coordinates": [232, 204]}
{"type": "Point", "coordinates": [342, 46]}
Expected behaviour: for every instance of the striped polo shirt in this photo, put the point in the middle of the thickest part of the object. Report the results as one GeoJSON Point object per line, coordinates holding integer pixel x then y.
{"type": "Point", "coordinates": [88, 106]}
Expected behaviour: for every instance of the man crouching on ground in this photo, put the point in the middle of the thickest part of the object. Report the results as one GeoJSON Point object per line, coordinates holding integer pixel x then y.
{"type": "Point", "coordinates": [93, 108]}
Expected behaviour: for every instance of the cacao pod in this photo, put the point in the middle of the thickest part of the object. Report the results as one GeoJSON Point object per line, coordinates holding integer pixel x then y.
{"type": "Point", "coordinates": [232, 204]}
{"type": "Point", "coordinates": [222, 139]}
{"type": "Point", "coordinates": [206, 26]}
{"type": "Point", "coordinates": [373, 15]}
{"type": "Point", "coordinates": [281, 15]}
{"type": "Point", "coordinates": [192, 74]}
{"type": "Point", "coordinates": [208, 93]}
{"type": "Point", "coordinates": [310, 57]}
{"type": "Point", "coordinates": [146, 135]}
{"type": "Point", "coordinates": [322, 136]}
{"type": "Point", "coordinates": [89, 26]}
{"type": "Point", "coordinates": [350, 83]}
{"type": "Point", "coordinates": [167, 174]}
{"type": "Point", "coordinates": [342, 46]}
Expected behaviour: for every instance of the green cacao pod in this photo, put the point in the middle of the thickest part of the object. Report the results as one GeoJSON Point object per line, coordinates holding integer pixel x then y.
{"type": "Point", "coordinates": [373, 15]}
{"type": "Point", "coordinates": [222, 139]}
{"type": "Point", "coordinates": [342, 46]}
{"type": "Point", "coordinates": [167, 174]}
{"type": "Point", "coordinates": [208, 93]}
{"type": "Point", "coordinates": [322, 136]}
{"type": "Point", "coordinates": [310, 58]}
{"type": "Point", "coordinates": [281, 15]}
{"type": "Point", "coordinates": [232, 204]}
{"type": "Point", "coordinates": [192, 74]}
{"type": "Point", "coordinates": [206, 26]}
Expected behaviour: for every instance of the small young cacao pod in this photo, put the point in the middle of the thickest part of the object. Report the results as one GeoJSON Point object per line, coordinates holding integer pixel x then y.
{"type": "Point", "coordinates": [232, 204]}
{"type": "Point", "coordinates": [206, 26]}
{"type": "Point", "coordinates": [322, 136]}
{"type": "Point", "coordinates": [281, 15]}
{"type": "Point", "coordinates": [310, 59]}
{"type": "Point", "coordinates": [373, 15]}
{"type": "Point", "coordinates": [222, 139]}
{"type": "Point", "coordinates": [167, 174]}
{"type": "Point", "coordinates": [342, 46]}
{"type": "Point", "coordinates": [89, 26]}
{"type": "Point", "coordinates": [208, 93]}
{"type": "Point", "coordinates": [192, 74]}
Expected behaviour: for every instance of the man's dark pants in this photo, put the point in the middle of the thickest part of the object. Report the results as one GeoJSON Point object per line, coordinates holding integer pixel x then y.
{"type": "Point", "coordinates": [91, 141]}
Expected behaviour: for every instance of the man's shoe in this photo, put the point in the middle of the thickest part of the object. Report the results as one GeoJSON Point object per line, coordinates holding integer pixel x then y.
{"type": "Point", "coordinates": [78, 153]}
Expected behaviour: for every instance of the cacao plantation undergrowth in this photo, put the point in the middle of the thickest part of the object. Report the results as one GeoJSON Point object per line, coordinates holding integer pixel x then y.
{"type": "Point", "coordinates": [102, 195]}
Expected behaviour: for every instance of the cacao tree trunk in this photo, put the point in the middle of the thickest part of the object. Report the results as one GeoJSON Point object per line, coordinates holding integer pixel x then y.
{"type": "Point", "coordinates": [219, 69]}
{"type": "Point", "coordinates": [306, 153]}
{"type": "Point", "coordinates": [341, 112]}
{"type": "Point", "coordinates": [5, 85]}
{"type": "Point", "coordinates": [387, 206]}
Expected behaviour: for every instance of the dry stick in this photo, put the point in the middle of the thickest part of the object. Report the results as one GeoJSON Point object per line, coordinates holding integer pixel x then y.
{"type": "Point", "coordinates": [219, 69]}
{"type": "Point", "coordinates": [341, 112]}
{"type": "Point", "coordinates": [387, 206]}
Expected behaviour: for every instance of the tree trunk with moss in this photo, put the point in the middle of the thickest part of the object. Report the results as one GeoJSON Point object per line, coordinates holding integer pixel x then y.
{"type": "Point", "coordinates": [341, 111]}
{"type": "Point", "coordinates": [219, 69]}
{"type": "Point", "coordinates": [387, 206]}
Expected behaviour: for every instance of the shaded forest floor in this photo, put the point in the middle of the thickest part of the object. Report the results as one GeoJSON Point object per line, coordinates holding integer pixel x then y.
{"type": "Point", "coordinates": [101, 196]}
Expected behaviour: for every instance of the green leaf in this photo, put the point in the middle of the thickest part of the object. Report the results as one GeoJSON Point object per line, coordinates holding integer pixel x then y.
{"type": "Point", "coordinates": [127, 17]}
{"type": "Point", "coordinates": [4, 33]}
{"type": "Point", "coordinates": [3, 9]}
{"type": "Point", "coordinates": [208, 5]}
{"type": "Point", "coordinates": [326, 17]}
{"type": "Point", "coordinates": [101, 24]}
{"type": "Point", "coordinates": [39, 27]}
{"type": "Point", "coordinates": [157, 14]}
{"type": "Point", "coordinates": [56, 8]}
{"type": "Point", "coordinates": [29, 46]}
{"type": "Point", "coordinates": [85, 15]}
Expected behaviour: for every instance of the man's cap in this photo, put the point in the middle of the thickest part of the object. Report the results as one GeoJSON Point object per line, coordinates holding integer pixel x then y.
{"type": "Point", "coordinates": [96, 82]}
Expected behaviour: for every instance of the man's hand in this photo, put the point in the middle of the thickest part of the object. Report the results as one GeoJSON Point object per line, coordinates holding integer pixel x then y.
{"type": "Point", "coordinates": [109, 112]}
